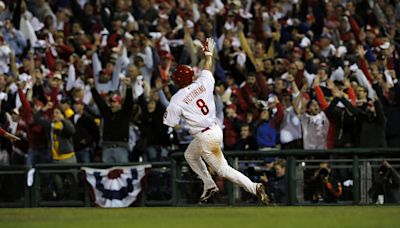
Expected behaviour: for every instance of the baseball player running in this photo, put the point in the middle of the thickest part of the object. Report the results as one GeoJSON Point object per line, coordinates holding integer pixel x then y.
{"type": "Point", "coordinates": [194, 102]}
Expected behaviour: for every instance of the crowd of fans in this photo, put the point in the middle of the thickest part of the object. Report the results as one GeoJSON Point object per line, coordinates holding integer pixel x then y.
{"type": "Point", "coordinates": [89, 80]}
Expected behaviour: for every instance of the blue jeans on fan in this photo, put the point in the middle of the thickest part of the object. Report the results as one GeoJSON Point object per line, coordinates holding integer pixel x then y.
{"type": "Point", "coordinates": [115, 155]}
{"type": "Point", "coordinates": [155, 153]}
{"type": "Point", "coordinates": [37, 156]}
{"type": "Point", "coordinates": [84, 155]}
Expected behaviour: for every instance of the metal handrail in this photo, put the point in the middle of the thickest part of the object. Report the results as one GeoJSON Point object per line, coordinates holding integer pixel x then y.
{"type": "Point", "coordinates": [300, 152]}
{"type": "Point", "coordinates": [292, 156]}
{"type": "Point", "coordinates": [354, 155]}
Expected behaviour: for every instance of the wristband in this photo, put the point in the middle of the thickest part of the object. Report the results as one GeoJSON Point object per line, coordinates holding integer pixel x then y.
{"type": "Point", "coordinates": [208, 53]}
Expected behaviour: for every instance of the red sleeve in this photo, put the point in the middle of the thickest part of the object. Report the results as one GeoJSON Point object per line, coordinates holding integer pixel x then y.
{"type": "Point", "coordinates": [364, 67]}
{"type": "Point", "coordinates": [263, 85]}
{"type": "Point", "coordinates": [242, 103]}
{"type": "Point", "coordinates": [50, 60]}
{"type": "Point", "coordinates": [299, 78]}
{"type": "Point", "coordinates": [113, 40]}
{"type": "Point", "coordinates": [27, 113]}
{"type": "Point", "coordinates": [67, 29]}
{"type": "Point", "coordinates": [53, 98]}
{"type": "Point", "coordinates": [279, 115]}
{"type": "Point", "coordinates": [354, 26]}
{"type": "Point", "coordinates": [352, 95]}
{"type": "Point", "coordinates": [53, 95]}
{"type": "Point", "coordinates": [321, 97]}
{"type": "Point", "coordinates": [337, 193]}
{"type": "Point", "coordinates": [259, 29]}
{"type": "Point", "coordinates": [390, 63]}
{"type": "Point", "coordinates": [89, 71]}
{"type": "Point", "coordinates": [2, 131]}
{"type": "Point", "coordinates": [66, 48]}
{"type": "Point", "coordinates": [248, 94]}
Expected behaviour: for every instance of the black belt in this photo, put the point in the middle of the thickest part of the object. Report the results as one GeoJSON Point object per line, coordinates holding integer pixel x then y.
{"type": "Point", "coordinates": [205, 129]}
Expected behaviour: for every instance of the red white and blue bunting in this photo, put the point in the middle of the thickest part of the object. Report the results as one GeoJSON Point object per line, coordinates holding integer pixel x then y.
{"type": "Point", "coordinates": [116, 186]}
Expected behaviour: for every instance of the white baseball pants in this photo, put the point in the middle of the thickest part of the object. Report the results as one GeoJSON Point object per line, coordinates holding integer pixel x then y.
{"type": "Point", "coordinates": [207, 145]}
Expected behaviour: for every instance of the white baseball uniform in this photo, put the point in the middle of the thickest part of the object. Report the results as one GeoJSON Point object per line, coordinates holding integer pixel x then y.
{"type": "Point", "coordinates": [195, 104]}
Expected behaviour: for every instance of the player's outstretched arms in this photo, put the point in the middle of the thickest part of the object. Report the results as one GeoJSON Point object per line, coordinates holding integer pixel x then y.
{"type": "Point", "coordinates": [208, 48]}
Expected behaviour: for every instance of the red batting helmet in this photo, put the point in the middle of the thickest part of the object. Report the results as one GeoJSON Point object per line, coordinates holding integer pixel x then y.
{"type": "Point", "coordinates": [183, 75]}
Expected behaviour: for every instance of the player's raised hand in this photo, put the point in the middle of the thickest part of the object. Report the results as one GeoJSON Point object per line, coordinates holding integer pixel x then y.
{"type": "Point", "coordinates": [208, 47]}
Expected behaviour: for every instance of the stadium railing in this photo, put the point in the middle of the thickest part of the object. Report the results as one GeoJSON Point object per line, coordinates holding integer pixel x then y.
{"type": "Point", "coordinates": [360, 160]}
{"type": "Point", "coordinates": [14, 191]}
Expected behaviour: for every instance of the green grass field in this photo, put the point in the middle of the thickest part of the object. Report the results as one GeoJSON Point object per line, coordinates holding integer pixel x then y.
{"type": "Point", "coordinates": [204, 217]}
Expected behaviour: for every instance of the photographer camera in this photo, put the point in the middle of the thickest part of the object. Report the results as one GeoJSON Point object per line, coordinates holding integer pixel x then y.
{"type": "Point", "coordinates": [274, 181]}
{"type": "Point", "coordinates": [262, 173]}
{"type": "Point", "coordinates": [327, 188]}
{"type": "Point", "coordinates": [386, 185]}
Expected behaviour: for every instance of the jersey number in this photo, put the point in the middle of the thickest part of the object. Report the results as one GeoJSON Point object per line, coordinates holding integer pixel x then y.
{"type": "Point", "coordinates": [203, 107]}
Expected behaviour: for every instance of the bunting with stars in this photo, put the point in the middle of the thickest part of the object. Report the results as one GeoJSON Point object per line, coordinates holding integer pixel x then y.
{"type": "Point", "coordinates": [116, 186]}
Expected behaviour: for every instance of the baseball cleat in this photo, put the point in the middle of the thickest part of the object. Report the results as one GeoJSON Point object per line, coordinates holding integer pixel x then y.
{"type": "Point", "coordinates": [261, 195]}
{"type": "Point", "coordinates": [207, 194]}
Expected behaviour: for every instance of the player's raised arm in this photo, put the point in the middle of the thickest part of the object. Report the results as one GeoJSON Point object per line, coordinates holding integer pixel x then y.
{"type": "Point", "coordinates": [208, 48]}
